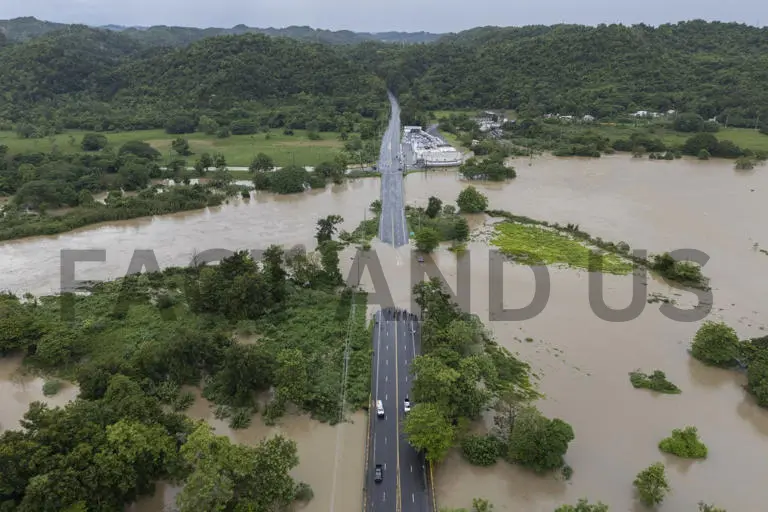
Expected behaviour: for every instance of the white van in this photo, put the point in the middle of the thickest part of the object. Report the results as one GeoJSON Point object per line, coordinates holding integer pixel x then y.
{"type": "Point", "coordinates": [379, 408]}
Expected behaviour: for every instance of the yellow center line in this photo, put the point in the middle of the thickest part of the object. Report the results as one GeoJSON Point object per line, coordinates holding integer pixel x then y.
{"type": "Point", "coordinates": [397, 425]}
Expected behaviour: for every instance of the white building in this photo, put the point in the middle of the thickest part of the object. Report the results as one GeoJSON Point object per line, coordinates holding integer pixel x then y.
{"type": "Point", "coordinates": [428, 150]}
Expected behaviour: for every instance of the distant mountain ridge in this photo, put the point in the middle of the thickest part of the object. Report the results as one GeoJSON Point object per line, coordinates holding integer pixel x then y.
{"type": "Point", "coordinates": [24, 29]}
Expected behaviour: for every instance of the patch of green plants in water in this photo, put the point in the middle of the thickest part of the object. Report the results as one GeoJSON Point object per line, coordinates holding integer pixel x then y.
{"type": "Point", "coordinates": [443, 219]}
{"type": "Point", "coordinates": [682, 272]}
{"type": "Point", "coordinates": [657, 381]}
{"type": "Point", "coordinates": [684, 443]}
{"type": "Point", "coordinates": [51, 387]}
{"type": "Point", "coordinates": [537, 246]}
{"type": "Point", "coordinates": [367, 230]}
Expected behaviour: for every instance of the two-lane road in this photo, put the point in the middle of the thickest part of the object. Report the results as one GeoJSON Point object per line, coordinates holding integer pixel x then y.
{"type": "Point", "coordinates": [413, 480]}
{"type": "Point", "coordinates": [382, 496]}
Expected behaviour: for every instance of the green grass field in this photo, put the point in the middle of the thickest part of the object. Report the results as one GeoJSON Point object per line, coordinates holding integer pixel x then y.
{"type": "Point", "coordinates": [239, 150]}
{"type": "Point", "coordinates": [742, 137]}
{"type": "Point", "coordinates": [534, 245]}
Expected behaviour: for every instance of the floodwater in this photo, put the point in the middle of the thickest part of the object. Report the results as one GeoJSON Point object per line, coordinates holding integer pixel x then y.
{"type": "Point", "coordinates": [582, 361]}
{"type": "Point", "coordinates": [19, 389]}
{"type": "Point", "coordinates": [330, 458]}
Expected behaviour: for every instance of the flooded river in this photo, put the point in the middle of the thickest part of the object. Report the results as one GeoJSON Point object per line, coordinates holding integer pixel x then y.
{"type": "Point", "coordinates": [582, 360]}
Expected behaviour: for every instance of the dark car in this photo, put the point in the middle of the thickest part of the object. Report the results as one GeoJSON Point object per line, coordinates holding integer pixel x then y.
{"type": "Point", "coordinates": [379, 475]}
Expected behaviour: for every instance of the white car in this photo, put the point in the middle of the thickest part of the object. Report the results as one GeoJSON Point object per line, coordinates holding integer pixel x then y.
{"type": "Point", "coordinates": [406, 405]}
{"type": "Point", "coordinates": [379, 409]}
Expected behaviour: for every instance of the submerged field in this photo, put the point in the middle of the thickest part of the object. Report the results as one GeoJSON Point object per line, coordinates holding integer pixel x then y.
{"type": "Point", "coordinates": [239, 150]}
{"type": "Point", "coordinates": [537, 246]}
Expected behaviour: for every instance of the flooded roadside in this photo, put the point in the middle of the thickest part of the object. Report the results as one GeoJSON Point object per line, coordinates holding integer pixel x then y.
{"type": "Point", "coordinates": [583, 361]}
{"type": "Point", "coordinates": [331, 459]}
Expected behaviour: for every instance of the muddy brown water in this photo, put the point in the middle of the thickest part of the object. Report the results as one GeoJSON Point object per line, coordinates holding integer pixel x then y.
{"type": "Point", "coordinates": [582, 360]}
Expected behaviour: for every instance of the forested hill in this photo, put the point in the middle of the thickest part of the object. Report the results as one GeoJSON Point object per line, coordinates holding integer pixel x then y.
{"type": "Point", "coordinates": [711, 68]}
{"type": "Point", "coordinates": [23, 29]}
{"type": "Point", "coordinates": [103, 80]}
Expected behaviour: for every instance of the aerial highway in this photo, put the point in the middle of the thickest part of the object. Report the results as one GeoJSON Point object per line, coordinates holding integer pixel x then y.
{"type": "Point", "coordinates": [403, 486]}
{"type": "Point", "coordinates": [393, 228]}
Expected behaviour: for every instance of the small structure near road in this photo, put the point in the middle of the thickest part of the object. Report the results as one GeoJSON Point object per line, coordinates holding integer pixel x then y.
{"type": "Point", "coordinates": [426, 150]}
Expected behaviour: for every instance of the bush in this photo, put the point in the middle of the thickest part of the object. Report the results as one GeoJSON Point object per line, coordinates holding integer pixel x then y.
{"type": "Point", "coordinates": [93, 142]}
{"type": "Point", "coordinates": [744, 164]}
{"type": "Point", "coordinates": [715, 343]}
{"type": "Point", "coordinates": [304, 492]}
{"type": "Point", "coordinates": [241, 418]}
{"type": "Point", "coordinates": [703, 154]}
{"type": "Point", "coordinates": [51, 387]}
{"type": "Point", "coordinates": [470, 200]}
{"type": "Point", "coordinates": [657, 381]}
{"type": "Point", "coordinates": [481, 450]}
{"type": "Point", "coordinates": [538, 442]}
{"type": "Point", "coordinates": [223, 132]}
{"type": "Point", "coordinates": [140, 149]}
{"type": "Point", "coordinates": [651, 485]}
{"type": "Point", "coordinates": [684, 443]}
{"type": "Point", "coordinates": [243, 127]}
{"type": "Point", "coordinates": [183, 401]}
{"type": "Point", "coordinates": [583, 506]}
{"type": "Point", "coordinates": [688, 122]}
{"type": "Point", "coordinates": [181, 124]}
{"type": "Point", "coordinates": [427, 240]}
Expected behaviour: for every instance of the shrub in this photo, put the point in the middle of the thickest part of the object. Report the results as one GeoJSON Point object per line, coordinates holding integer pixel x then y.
{"type": "Point", "coordinates": [304, 492]}
{"type": "Point", "coordinates": [93, 142]}
{"type": "Point", "coordinates": [656, 381]}
{"type": "Point", "coordinates": [427, 239]}
{"type": "Point", "coordinates": [51, 387]}
{"type": "Point", "coordinates": [684, 443]}
{"type": "Point", "coordinates": [243, 127]}
{"type": "Point", "coordinates": [583, 506]}
{"type": "Point", "coordinates": [470, 200]}
{"type": "Point", "coordinates": [481, 450]}
{"type": "Point", "coordinates": [744, 164]}
{"type": "Point", "coordinates": [538, 442]}
{"type": "Point", "coordinates": [715, 343]}
{"type": "Point", "coordinates": [651, 485]}
{"type": "Point", "coordinates": [183, 401]}
{"type": "Point", "coordinates": [241, 418]}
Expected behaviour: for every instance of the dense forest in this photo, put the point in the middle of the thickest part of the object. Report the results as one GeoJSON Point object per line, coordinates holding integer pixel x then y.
{"type": "Point", "coordinates": [713, 69]}
{"type": "Point", "coordinates": [100, 79]}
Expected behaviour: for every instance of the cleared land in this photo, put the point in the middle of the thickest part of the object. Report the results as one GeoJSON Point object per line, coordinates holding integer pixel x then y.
{"type": "Point", "coordinates": [239, 150]}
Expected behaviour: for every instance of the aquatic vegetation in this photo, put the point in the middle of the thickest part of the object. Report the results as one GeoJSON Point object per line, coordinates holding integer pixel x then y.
{"type": "Point", "coordinates": [657, 381]}
{"type": "Point", "coordinates": [538, 246]}
{"type": "Point", "coordinates": [684, 443]}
